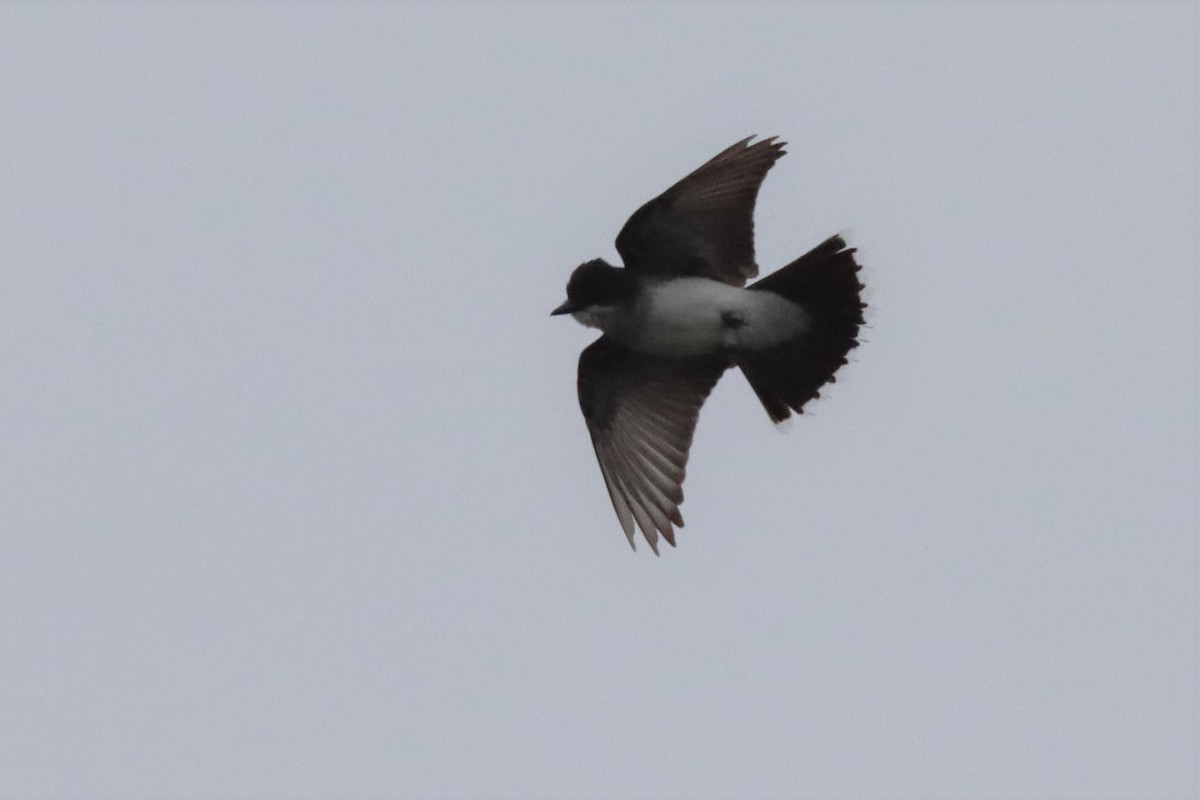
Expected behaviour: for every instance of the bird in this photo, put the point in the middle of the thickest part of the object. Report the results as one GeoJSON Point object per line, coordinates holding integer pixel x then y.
{"type": "Point", "coordinates": [678, 314]}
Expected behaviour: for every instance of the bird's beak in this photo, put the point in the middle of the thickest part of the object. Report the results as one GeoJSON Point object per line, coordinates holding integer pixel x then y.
{"type": "Point", "coordinates": [566, 308]}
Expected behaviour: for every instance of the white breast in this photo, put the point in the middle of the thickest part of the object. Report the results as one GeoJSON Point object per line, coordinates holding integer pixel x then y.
{"type": "Point", "coordinates": [691, 316]}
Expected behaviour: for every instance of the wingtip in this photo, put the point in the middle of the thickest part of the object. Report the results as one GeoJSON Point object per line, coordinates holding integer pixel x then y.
{"type": "Point", "coordinates": [770, 141]}
{"type": "Point", "coordinates": [748, 143]}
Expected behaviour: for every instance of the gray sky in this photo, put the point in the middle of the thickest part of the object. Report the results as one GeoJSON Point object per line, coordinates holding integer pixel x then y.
{"type": "Point", "coordinates": [295, 494]}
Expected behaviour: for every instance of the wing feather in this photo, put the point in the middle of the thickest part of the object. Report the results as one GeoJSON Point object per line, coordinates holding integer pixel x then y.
{"type": "Point", "coordinates": [704, 224]}
{"type": "Point", "coordinates": [641, 412]}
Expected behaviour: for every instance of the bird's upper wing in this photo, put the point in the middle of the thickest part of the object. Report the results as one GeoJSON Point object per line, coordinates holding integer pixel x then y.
{"type": "Point", "coordinates": [704, 225]}
{"type": "Point", "coordinates": [641, 411]}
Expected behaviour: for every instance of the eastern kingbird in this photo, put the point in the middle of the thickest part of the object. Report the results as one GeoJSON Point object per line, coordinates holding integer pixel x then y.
{"type": "Point", "coordinates": [677, 316]}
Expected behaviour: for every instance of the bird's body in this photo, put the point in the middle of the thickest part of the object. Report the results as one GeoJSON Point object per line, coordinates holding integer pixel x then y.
{"type": "Point", "coordinates": [698, 316]}
{"type": "Point", "coordinates": [677, 316]}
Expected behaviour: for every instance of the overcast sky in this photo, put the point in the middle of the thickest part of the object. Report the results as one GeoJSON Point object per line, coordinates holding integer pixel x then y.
{"type": "Point", "coordinates": [295, 494]}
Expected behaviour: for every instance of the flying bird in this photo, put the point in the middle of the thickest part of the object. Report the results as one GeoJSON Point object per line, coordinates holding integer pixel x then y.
{"type": "Point", "coordinates": [679, 314]}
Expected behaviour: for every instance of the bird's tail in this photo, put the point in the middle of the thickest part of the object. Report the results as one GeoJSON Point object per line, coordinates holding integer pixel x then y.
{"type": "Point", "coordinates": [825, 282]}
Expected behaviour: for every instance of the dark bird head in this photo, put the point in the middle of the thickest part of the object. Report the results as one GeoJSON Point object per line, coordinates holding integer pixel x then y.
{"type": "Point", "coordinates": [595, 285]}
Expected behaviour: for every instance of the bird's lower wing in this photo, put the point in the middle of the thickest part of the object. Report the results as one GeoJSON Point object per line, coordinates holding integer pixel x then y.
{"type": "Point", "coordinates": [641, 412]}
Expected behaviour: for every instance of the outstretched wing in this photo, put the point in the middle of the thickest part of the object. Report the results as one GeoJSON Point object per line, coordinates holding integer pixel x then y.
{"type": "Point", "coordinates": [704, 225]}
{"type": "Point", "coordinates": [641, 411]}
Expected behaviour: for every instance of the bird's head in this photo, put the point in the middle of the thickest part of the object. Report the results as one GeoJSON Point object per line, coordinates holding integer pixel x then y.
{"type": "Point", "coordinates": [594, 288]}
